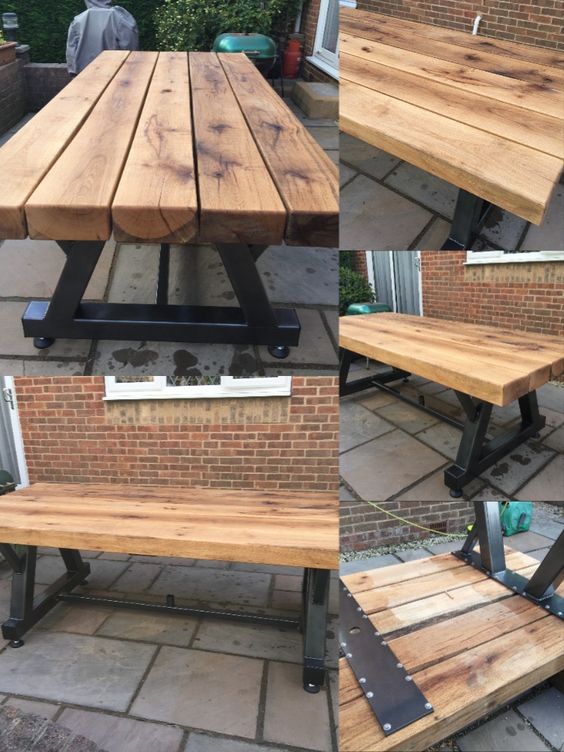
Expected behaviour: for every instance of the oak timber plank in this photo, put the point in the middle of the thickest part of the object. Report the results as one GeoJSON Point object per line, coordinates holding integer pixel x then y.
{"type": "Point", "coordinates": [461, 689]}
{"type": "Point", "coordinates": [303, 533]}
{"type": "Point", "coordinates": [494, 384]}
{"type": "Point", "coordinates": [73, 201]}
{"type": "Point", "coordinates": [520, 93]}
{"type": "Point", "coordinates": [397, 35]}
{"type": "Point", "coordinates": [304, 175]}
{"type": "Point", "coordinates": [239, 202]}
{"type": "Point", "coordinates": [382, 576]}
{"type": "Point", "coordinates": [156, 199]}
{"type": "Point", "coordinates": [507, 121]}
{"type": "Point", "coordinates": [481, 163]}
{"type": "Point", "coordinates": [429, 645]}
{"type": "Point", "coordinates": [502, 47]}
{"type": "Point", "coordinates": [29, 153]}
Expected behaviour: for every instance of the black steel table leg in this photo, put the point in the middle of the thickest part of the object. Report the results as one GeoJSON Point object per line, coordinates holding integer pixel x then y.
{"type": "Point", "coordinates": [316, 601]}
{"type": "Point", "coordinates": [469, 213]}
{"type": "Point", "coordinates": [550, 574]}
{"type": "Point", "coordinates": [378, 380]}
{"type": "Point", "coordinates": [163, 278]}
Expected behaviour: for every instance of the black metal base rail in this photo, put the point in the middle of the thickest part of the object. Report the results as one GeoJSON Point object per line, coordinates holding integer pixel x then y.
{"type": "Point", "coordinates": [469, 216]}
{"type": "Point", "coordinates": [475, 453]}
{"type": "Point", "coordinates": [393, 695]}
{"type": "Point", "coordinates": [26, 609]}
{"type": "Point", "coordinates": [541, 588]}
{"type": "Point", "coordinates": [256, 322]}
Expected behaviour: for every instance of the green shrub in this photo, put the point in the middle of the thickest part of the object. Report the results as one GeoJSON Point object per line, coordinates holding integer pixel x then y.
{"type": "Point", "coordinates": [44, 24]}
{"type": "Point", "coordinates": [194, 24]}
{"type": "Point", "coordinates": [353, 288]}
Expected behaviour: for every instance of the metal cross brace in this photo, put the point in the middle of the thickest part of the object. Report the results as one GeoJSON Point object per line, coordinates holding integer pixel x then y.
{"type": "Point", "coordinates": [541, 588]}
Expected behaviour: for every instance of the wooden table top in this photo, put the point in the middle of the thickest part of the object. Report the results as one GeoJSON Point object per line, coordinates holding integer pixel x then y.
{"type": "Point", "coordinates": [485, 114]}
{"type": "Point", "coordinates": [264, 527]}
{"type": "Point", "coordinates": [168, 147]}
{"type": "Point", "coordinates": [492, 364]}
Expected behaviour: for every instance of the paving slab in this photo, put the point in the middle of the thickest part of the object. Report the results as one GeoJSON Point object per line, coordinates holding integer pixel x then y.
{"type": "Point", "coordinates": [556, 440]}
{"type": "Point", "coordinates": [115, 734]}
{"type": "Point", "coordinates": [22, 732]}
{"type": "Point", "coordinates": [426, 189]}
{"type": "Point", "coordinates": [77, 618]}
{"type": "Point", "coordinates": [503, 228]}
{"type": "Point", "coordinates": [213, 585]}
{"type": "Point", "coordinates": [327, 138]}
{"type": "Point", "coordinates": [345, 494]}
{"type": "Point", "coordinates": [13, 342]}
{"type": "Point", "coordinates": [548, 484]}
{"type": "Point", "coordinates": [433, 488]}
{"type": "Point", "coordinates": [164, 629]}
{"type": "Point", "coordinates": [309, 713]}
{"type": "Point", "coordinates": [506, 733]}
{"type": "Point", "coordinates": [364, 565]}
{"type": "Point", "coordinates": [489, 494]}
{"type": "Point", "coordinates": [443, 437]}
{"type": "Point", "coordinates": [286, 600]}
{"type": "Point", "coordinates": [315, 345]}
{"type": "Point", "coordinates": [205, 743]}
{"type": "Point", "coordinates": [137, 578]}
{"type": "Point", "coordinates": [549, 234]}
{"type": "Point", "coordinates": [406, 417]}
{"type": "Point", "coordinates": [446, 547]}
{"type": "Point", "coordinates": [346, 174]}
{"type": "Point", "coordinates": [42, 709]}
{"type": "Point", "coordinates": [204, 690]}
{"type": "Point", "coordinates": [358, 425]}
{"type": "Point", "coordinates": [31, 269]}
{"type": "Point", "coordinates": [413, 554]}
{"type": "Point", "coordinates": [540, 554]}
{"type": "Point", "coordinates": [373, 216]}
{"type": "Point", "coordinates": [300, 275]}
{"type": "Point", "coordinates": [241, 566]}
{"type": "Point", "coordinates": [368, 159]}
{"type": "Point", "coordinates": [435, 235]}
{"type": "Point", "coordinates": [516, 468]}
{"type": "Point", "coordinates": [386, 465]}
{"type": "Point", "coordinates": [96, 672]}
{"type": "Point", "coordinates": [375, 399]}
{"type": "Point", "coordinates": [551, 396]}
{"type": "Point", "coordinates": [528, 541]}
{"type": "Point", "coordinates": [255, 641]}
{"type": "Point", "coordinates": [546, 713]}
{"type": "Point", "coordinates": [51, 368]}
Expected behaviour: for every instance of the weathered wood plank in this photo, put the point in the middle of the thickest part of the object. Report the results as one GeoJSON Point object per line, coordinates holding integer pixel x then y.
{"type": "Point", "coordinates": [29, 153]}
{"type": "Point", "coordinates": [73, 200]}
{"type": "Point", "coordinates": [239, 202]}
{"type": "Point", "coordinates": [288, 528]}
{"type": "Point", "coordinates": [540, 132]}
{"type": "Point", "coordinates": [396, 573]}
{"type": "Point", "coordinates": [305, 176]}
{"type": "Point", "coordinates": [156, 199]}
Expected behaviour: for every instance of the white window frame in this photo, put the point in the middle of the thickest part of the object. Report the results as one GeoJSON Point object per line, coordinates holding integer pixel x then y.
{"type": "Point", "coordinates": [272, 386]}
{"type": "Point", "coordinates": [501, 257]}
{"type": "Point", "coordinates": [9, 383]}
{"type": "Point", "coordinates": [326, 61]}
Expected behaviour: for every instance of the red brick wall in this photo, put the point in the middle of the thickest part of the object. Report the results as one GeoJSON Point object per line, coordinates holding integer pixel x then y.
{"type": "Point", "coordinates": [359, 263]}
{"type": "Point", "coordinates": [310, 14]}
{"type": "Point", "coordinates": [67, 437]}
{"type": "Point", "coordinates": [540, 23]}
{"type": "Point", "coordinates": [519, 295]}
{"type": "Point", "coordinates": [362, 526]}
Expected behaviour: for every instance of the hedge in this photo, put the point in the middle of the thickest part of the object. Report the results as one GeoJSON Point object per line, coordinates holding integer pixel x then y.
{"type": "Point", "coordinates": [44, 24]}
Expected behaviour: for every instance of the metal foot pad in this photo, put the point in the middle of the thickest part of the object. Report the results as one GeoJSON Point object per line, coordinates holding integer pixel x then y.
{"type": "Point", "coordinates": [42, 343]}
{"type": "Point", "coordinates": [279, 351]}
{"type": "Point", "coordinates": [17, 643]}
{"type": "Point", "coordinates": [313, 689]}
{"type": "Point", "coordinates": [455, 493]}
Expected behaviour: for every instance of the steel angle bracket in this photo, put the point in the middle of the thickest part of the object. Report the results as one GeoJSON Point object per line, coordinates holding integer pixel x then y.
{"type": "Point", "coordinates": [394, 697]}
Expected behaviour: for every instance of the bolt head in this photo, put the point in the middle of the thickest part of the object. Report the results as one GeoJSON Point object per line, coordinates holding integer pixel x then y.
{"type": "Point", "coordinates": [358, 608]}
{"type": "Point", "coordinates": [428, 706]}
{"type": "Point", "coordinates": [387, 727]}
{"type": "Point", "coordinates": [349, 595]}
{"type": "Point", "coordinates": [362, 680]}
{"type": "Point", "coordinates": [349, 655]}
{"type": "Point", "coordinates": [383, 642]}
{"type": "Point", "coordinates": [343, 644]}
{"type": "Point", "coordinates": [370, 695]}
{"type": "Point", "coordinates": [408, 678]}
{"type": "Point", "coordinates": [399, 665]}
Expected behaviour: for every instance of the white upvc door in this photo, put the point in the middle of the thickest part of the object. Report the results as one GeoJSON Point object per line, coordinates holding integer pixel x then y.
{"type": "Point", "coordinates": [12, 455]}
{"type": "Point", "coordinates": [396, 279]}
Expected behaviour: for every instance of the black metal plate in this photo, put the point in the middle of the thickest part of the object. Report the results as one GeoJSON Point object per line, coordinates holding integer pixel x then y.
{"type": "Point", "coordinates": [392, 694]}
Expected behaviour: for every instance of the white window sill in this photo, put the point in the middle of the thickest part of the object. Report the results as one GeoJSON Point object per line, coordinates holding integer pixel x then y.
{"type": "Point", "coordinates": [276, 386]}
{"type": "Point", "coordinates": [488, 257]}
{"type": "Point", "coordinates": [323, 65]}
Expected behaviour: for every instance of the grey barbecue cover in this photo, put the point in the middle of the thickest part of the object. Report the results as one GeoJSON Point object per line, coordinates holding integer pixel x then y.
{"type": "Point", "coordinates": [101, 27]}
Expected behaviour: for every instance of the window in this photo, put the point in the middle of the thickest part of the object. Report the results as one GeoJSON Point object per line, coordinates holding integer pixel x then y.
{"type": "Point", "coordinates": [325, 48]}
{"type": "Point", "coordinates": [195, 387]}
{"type": "Point", "coordinates": [512, 257]}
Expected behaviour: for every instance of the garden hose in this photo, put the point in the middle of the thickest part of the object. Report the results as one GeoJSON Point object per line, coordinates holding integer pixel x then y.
{"type": "Point", "coordinates": [414, 524]}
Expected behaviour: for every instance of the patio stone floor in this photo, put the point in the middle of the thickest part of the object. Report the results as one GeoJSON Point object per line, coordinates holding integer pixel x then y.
{"type": "Point", "coordinates": [390, 450]}
{"type": "Point", "coordinates": [134, 681]}
{"type": "Point", "coordinates": [302, 278]}
{"type": "Point", "coordinates": [389, 204]}
{"type": "Point", "coordinates": [533, 721]}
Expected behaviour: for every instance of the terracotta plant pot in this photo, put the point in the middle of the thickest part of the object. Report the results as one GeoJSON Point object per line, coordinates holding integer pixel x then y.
{"type": "Point", "coordinates": [7, 53]}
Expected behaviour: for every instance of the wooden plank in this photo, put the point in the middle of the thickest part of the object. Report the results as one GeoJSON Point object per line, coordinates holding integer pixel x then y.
{"type": "Point", "coordinates": [29, 153]}
{"type": "Point", "coordinates": [239, 202]}
{"type": "Point", "coordinates": [73, 200]}
{"type": "Point", "coordinates": [398, 35]}
{"type": "Point", "coordinates": [461, 689]}
{"type": "Point", "coordinates": [519, 93]}
{"type": "Point", "coordinates": [304, 175]}
{"type": "Point", "coordinates": [156, 199]}
{"type": "Point", "coordinates": [376, 337]}
{"type": "Point", "coordinates": [258, 527]}
{"type": "Point", "coordinates": [539, 132]}
{"type": "Point", "coordinates": [478, 43]}
{"type": "Point", "coordinates": [448, 638]}
{"type": "Point", "coordinates": [383, 576]}
{"type": "Point", "coordinates": [479, 162]}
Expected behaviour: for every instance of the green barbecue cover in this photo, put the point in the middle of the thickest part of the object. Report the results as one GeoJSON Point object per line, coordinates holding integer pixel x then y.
{"type": "Point", "coordinates": [356, 308]}
{"type": "Point", "coordinates": [516, 516]}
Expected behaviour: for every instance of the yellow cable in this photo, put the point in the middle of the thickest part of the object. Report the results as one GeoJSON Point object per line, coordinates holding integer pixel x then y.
{"type": "Point", "coordinates": [414, 524]}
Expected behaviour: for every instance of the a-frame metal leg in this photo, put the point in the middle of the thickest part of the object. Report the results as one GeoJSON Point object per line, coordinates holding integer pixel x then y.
{"type": "Point", "coordinates": [26, 609]}
{"type": "Point", "coordinates": [315, 606]}
{"type": "Point", "coordinates": [346, 357]}
{"type": "Point", "coordinates": [490, 536]}
{"type": "Point", "coordinates": [550, 573]}
{"type": "Point", "coordinates": [468, 214]}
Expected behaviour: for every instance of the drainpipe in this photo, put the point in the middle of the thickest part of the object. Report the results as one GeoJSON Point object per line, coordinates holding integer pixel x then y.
{"type": "Point", "coordinates": [298, 24]}
{"type": "Point", "coordinates": [476, 24]}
